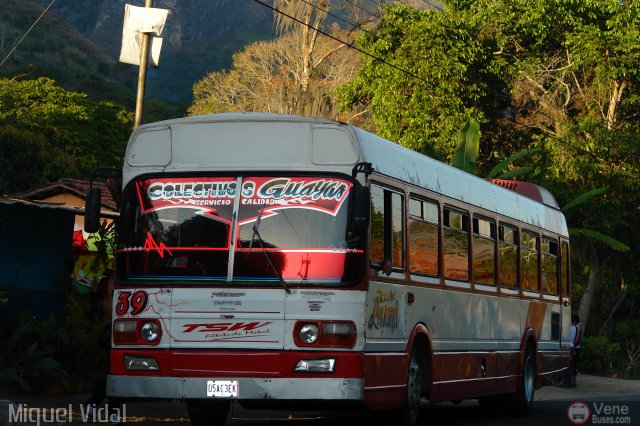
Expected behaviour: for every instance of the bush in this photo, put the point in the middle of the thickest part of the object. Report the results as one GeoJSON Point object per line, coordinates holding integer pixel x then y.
{"type": "Point", "coordinates": [29, 352]}
{"type": "Point", "coordinates": [597, 356]}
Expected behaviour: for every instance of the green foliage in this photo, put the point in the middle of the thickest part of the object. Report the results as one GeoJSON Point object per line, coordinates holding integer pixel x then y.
{"type": "Point", "coordinates": [449, 79]}
{"type": "Point", "coordinates": [25, 160]}
{"type": "Point", "coordinates": [468, 145]}
{"type": "Point", "coordinates": [29, 352]}
{"type": "Point", "coordinates": [557, 82]}
{"type": "Point", "coordinates": [598, 236]}
{"type": "Point", "coordinates": [628, 332]}
{"type": "Point", "coordinates": [581, 199]}
{"type": "Point", "coordinates": [64, 133]}
{"type": "Point", "coordinates": [569, 208]}
{"type": "Point", "coordinates": [597, 355]}
{"type": "Point", "coordinates": [498, 170]}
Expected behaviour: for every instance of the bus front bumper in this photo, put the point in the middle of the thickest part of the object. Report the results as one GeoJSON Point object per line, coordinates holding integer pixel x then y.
{"type": "Point", "coordinates": [122, 386]}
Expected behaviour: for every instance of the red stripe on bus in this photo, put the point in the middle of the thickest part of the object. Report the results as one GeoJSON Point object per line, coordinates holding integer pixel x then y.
{"type": "Point", "coordinates": [235, 363]}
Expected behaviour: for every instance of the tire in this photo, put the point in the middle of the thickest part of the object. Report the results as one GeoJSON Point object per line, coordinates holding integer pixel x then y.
{"type": "Point", "coordinates": [522, 401]}
{"type": "Point", "coordinates": [208, 413]}
{"type": "Point", "coordinates": [408, 414]}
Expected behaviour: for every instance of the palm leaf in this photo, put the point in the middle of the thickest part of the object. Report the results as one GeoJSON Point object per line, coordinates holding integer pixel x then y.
{"type": "Point", "coordinates": [516, 172]}
{"type": "Point", "coordinates": [598, 236]}
{"type": "Point", "coordinates": [505, 163]}
{"type": "Point", "coordinates": [583, 198]}
{"type": "Point", "coordinates": [468, 145]}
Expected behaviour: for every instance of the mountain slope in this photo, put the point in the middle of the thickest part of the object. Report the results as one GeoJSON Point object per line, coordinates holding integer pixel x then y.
{"type": "Point", "coordinates": [200, 36]}
{"type": "Point", "coordinates": [55, 49]}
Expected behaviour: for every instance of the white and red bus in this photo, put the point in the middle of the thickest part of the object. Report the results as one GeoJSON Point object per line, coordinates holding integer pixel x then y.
{"type": "Point", "coordinates": [287, 262]}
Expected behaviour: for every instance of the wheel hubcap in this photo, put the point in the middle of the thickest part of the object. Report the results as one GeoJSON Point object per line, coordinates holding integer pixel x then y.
{"type": "Point", "coordinates": [529, 378]}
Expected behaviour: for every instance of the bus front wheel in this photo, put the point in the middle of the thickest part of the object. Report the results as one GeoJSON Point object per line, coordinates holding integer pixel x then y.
{"type": "Point", "coordinates": [407, 415]}
{"type": "Point", "coordinates": [208, 413]}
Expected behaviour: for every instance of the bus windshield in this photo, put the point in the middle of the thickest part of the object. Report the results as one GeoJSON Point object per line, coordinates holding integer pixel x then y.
{"type": "Point", "coordinates": [283, 228]}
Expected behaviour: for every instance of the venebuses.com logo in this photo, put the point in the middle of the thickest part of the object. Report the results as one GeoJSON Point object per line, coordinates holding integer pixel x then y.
{"type": "Point", "coordinates": [580, 413]}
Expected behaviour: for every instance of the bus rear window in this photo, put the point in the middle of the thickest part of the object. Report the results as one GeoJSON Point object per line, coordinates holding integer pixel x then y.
{"type": "Point", "coordinates": [289, 227]}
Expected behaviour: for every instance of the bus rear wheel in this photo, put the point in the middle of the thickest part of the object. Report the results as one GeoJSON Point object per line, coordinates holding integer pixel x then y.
{"type": "Point", "coordinates": [208, 413]}
{"type": "Point", "coordinates": [522, 401]}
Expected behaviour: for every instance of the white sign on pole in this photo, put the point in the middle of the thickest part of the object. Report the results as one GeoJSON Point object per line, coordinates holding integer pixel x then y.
{"type": "Point", "coordinates": [139, 20]}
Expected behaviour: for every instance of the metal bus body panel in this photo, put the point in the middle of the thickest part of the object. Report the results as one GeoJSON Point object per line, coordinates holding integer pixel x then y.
{"type": "Point", "coordinates": [458, 320]}
{"type": "Point", "coordinates": [227, 317]}
{"type": "Point", "coordinates": [242, 142]}
{"type": "Point", "coordinates": [240, 318]}
{"type": "Point", "coordinates": [476, 339]}
{"type": "Point", "coordinates": [317, 388]}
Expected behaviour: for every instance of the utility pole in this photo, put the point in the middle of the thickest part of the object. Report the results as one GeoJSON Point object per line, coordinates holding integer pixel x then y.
{"type": "Point", "coordinates": [142, 72]}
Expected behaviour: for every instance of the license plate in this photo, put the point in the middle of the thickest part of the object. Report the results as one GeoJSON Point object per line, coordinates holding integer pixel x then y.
{"type": "Point", "coordinates": [222, 388]}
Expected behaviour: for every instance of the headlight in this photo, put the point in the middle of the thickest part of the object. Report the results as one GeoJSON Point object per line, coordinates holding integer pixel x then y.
{"type": "Point", "coordinates": [309, 333]}
{"type": "Point", "coordinates": [150, 331]}
{"type": "Point", "coordinates": [320, 333]}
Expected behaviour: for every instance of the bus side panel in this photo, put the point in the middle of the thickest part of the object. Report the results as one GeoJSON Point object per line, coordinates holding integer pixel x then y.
{"type": "Point", "coordinates": [477, 339]}
{"type": "Point", "coordinates": [385, 379]}
{"type": "Point", "coordinates": [470, 380]}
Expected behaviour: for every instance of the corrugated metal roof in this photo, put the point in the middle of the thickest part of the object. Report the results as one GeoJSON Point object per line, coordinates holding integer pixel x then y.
{"type": "Point", "coordinates": [73, 186]}
{"type": "Point", "coordinates": [79, 211]}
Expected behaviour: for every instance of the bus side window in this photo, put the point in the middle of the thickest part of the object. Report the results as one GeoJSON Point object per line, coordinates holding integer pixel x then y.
{"type": "Point", "coordinates": [564, 269]}
{"type": "Point", "coordinates": [387, 228]}
{"type": "Point", "coordinates": [423, 237]}
{"type": "Point", "coordinates": [484, 251]}
{"type": "Point", "coordinates": [508, 256]}
{"type": "Point", "coordinates": [456, 244]}
{"type": "Point", "coordinates": [549, 266]}
{"type": "Point", "coordinates": [529, 252]}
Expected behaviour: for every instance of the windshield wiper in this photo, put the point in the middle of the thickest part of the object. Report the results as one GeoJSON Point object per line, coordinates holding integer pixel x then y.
{"type": "Point", "coordinates": [256, 233]}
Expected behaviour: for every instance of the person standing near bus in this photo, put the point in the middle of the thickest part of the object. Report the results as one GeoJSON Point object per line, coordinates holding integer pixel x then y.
{"type": "Point", "coordinates": [575, 336]}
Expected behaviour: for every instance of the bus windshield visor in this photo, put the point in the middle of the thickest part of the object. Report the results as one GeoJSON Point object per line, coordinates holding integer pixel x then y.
{"type": "Point", "coordinates": [283, 228]}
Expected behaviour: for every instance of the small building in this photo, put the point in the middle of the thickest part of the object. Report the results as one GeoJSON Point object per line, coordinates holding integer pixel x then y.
{"type": "Point", "coordinates": [71, 193]}
{"type": "Point", "coordinates": [37, 231]}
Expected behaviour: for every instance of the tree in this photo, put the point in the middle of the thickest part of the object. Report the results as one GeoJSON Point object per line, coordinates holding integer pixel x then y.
{"type": "Point", "coordinates": [296, 73]}
{"type": "Point", "coordinates": [57, 133]}
{"type": "Point", "coordinates": [25, 161]}
{"type": "Point", "coordinates": [428, 72]}
{"type": "Point", "coordinates": [266, 77]}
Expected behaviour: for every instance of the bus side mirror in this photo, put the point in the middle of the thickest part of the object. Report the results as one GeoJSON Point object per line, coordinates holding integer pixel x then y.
{"type": "Point", "coordinates": [362, 210]}
{"type": "Point", "coordinates": [92, 208]}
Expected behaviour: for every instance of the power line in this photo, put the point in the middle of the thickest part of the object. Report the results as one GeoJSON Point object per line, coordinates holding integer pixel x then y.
{"type": "Point", "coordinates": [25, 34]}
{"type": "Point", "coordinates": [344, 42]}
{"type": "Point", "coordinates": [353, 24]}
{"type": "Point", "coordinates": [379, 17]}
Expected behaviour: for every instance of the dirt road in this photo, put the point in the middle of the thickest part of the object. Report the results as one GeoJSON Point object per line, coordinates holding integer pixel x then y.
{"type": "Point", "coordinates": [591, 387]}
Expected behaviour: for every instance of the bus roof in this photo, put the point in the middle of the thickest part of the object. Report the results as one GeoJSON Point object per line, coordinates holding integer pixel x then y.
{"type": "Point", "coordinates": [263, 142]}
